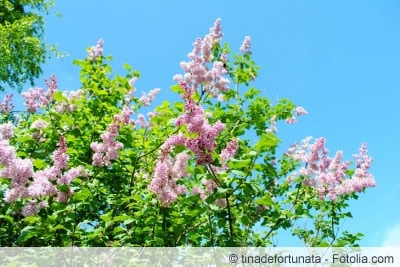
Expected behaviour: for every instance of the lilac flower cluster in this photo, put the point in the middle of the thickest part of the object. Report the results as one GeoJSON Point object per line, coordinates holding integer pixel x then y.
{"type": "Point", "coordinates": [210, 185]}
{"type": "Point", "coordinates": [197, 70]}
{"type": "Point", "coordinates": [300, 111]}
{"type": "Point", "coordinates": [246, 45]}
{"type": "Point", "coordinates": [26, 183]}
{"type": "Point", "coordinates": [107, 150]}
{"type": "Point", "coordinates": [146, 99]}
{"type": "Point", "coordinates": [142, 121]}
{"type": "Point", "coordinates": [204, 144]}
{"type": "Point", "coordinates": [164, 183]}
{"type": "Point", "coordinates": [230, 151]}
{"type": "Point", "coordinates": [328, 175]}
{"type": "Point", "coordinates": [167, 173]}
{"type": "Point", "coordinates": [68, 106]}
{"type": "Point", "coordinates": [37, 98]}
{"type": "Point", "coordinates": [124, 116]}
{"type": "Point", "coordinates": [96, 51]}
{"type": "Point", "coordinates": [6, 106]}
{"type": "Point", "coordinates": [6, 130]}
{"type": "Point", "coordinates": [272, 126]}
{"type": "Point", "coordinates": [37, 126]}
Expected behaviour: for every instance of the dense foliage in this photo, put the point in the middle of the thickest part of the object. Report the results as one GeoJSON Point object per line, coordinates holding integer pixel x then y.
{"type": "Point", "coordinates": [22, 51]}
{"type": "Point", "coordinates": [86, 168]}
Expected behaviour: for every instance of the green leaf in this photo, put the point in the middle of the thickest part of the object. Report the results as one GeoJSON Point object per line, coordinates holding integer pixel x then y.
{"type": "Point", "coordinates": [176, 88]}
{"type": "Point", "coordinates": [265, 201]}
{"type": "Point", "coordinates": [221, 223]}
{"type": "Point", "coordinates": [31, 219]}
{"type": "Point", "coordinates": [245, 220]}
{"type": "Point", "coordinates": [106, 217]}
{"type": "Point", "coordinates": [256, 188]}
{"type": "Point", "coordinates": [266, 142]}
{"type": "Point", "coordinates": [121, 218]}
{"type": "Point", "coordinates": [252, 153]}
{"type": "Point", "coordinates": [27, 233]}
{"type": "Point", "coordinates": [59, 227]}
{"type": "Point", "coordinates": [179, 149]}
{"type": "Point", "coordinates": [39, 163]}
{"type": "Point", "coordinates": [82, 195]}
{"type": "Point", "coordinates": [7, 218]}
{"type": "Point", "coordinates": [223, 191]}
{"type": "Point", "coordinates": [239, 163]}
{"type": "Point", "coordinates": [129, 221]}
{"type": "Point", "coordinates": [63, 188]}
{"type": "Point", "coordinates": [59, 97]}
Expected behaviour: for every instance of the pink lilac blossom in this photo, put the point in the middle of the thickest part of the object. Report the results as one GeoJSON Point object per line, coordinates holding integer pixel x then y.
{"type": "Point", "coordinates": [328, 175]}
{"type": "Point", "coordinates": [60, 156]}
{"type": "Point", "coordinates": [124, 116]}
{"type": "Point", "coordinates": [63, 197]}
{"type": "Point", "coordinates": [272, 126]}
{"type": "Point", "coordinates": [168, 170]}
{"type": "Point", "coordinates": [18, 170]}
{"type": "Point", "coordinates": [15, 193]}
{"type": "Point", "coordinates": [39, 124]}
{"type": "Point", "coordinates": [194, 118]}
{"type": "Point", "coordinates": [6, 130]}
{"type": "Point", "coordinates": [107, 150]}
{"type": "Point", "coordinates": [129, 96]}
{"type": "Point", "coordinates": [301, 111]}
{"type": "Point", "coordinates": [216, 31]}
{"type": "Point", "coordinates": [25, 183]}
{"type": "Point", "coordinates": [132, 81]}
{"type": "Point", "coordinates": [246, 45]}
{"type": "Point", "coordinates": [42, 185]}
{"type": "Point", "coordinates": [39, 136]}
{"type": "Point", "coordinates": [221, 98]}
{"type": "Point", "coordinates": [146, 99]}
{"type": "Point", "coordinates": [75, 95]}
{"type": "Point", "coordinates": [210, 186]}
{"type": "Point", "coordinates": [361, 177]}
{"type": "Point", "coordinates": [224, 57]}
{"type": "Point", "coordinates": [221, 202]}
{"type": "Point", "coordinates": [68, 106]}
{"type": "Point", "coordinates": [167, 173]}
{"type": "Point", "coordinates": [68, 176]}
{"type": "Point", "coordinates": [37, 98]}
{"type": "Point", "coordinates": [198, 72]}
{"type": "Point", "coordinates": [96, 51]}
{"type": "Point", "coordinates": [151, 114]}
{"type": "Point", "coordinates": [31, 98]}
{"type": "Point", "coordinates": [198, 191]}
{"type": "Point", "coordinates": [51, 86]}
{"type": "Point", "coordinates": [291, 120]}
{"type": "Point", "coordinates": [142, 121]}
{"type": "Point", "coordinates": [7, 153]}
{"type": "Point", "coordinates": [6, 106]}
{"type": "Point", "coordinates": [30, 209]}
{"type": "Point", "coordinates": [230, 150]}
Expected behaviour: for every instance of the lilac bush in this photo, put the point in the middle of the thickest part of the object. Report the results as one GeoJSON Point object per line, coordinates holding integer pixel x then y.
{"type": "Point", "coordinates": [87, 168]}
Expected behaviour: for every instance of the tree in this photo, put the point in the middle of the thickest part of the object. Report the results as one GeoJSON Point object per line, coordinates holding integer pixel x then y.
{"type": "Point", "coordinates": [87, 169]}
{"type": "Point", "coordinates": [22, 50]}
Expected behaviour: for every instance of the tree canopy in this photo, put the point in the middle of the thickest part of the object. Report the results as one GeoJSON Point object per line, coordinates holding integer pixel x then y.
{"type": "Point", "coordinates": [22, 50]}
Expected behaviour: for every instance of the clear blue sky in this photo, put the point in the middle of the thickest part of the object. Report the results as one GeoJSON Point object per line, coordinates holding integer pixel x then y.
{"type": "Point", "coordinates": [338, 59]}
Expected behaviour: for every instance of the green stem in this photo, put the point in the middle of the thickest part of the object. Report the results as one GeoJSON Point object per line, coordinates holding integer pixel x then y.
{"type": "Point", "coordinates": [164, 212]}
{"type": "Point", "coordinates": [275, 226]}
{"type": "Point", "coordinates": [230, 220]}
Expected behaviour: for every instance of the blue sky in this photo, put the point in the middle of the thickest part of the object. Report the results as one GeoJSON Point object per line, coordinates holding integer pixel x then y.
{"type": "Point", "coordinates": [338, 59]}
